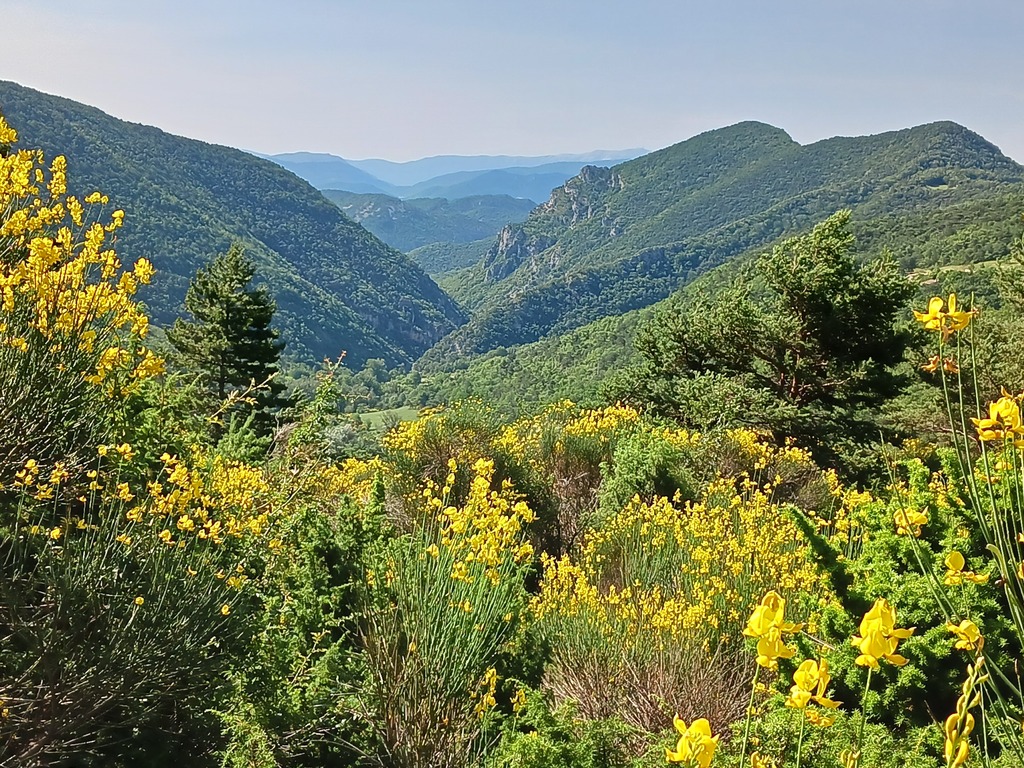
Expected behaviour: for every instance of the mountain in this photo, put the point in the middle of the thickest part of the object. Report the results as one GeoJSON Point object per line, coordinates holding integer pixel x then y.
{"type": "Point", "coordinates": [415, 172]}
{"type": "Point", "coordinates": [452, 177]}
{"type": "Point", "coordinates": [337, 287]}
{"type": "Point", "coordinates": [945, 250]}
{"type": "Point", "coordinates": [612, 240]}
{"type": "Point", "coordinates": [409, 224]}
{"type": "Point", "coordinates": [325, 171]}
{"type": "Point", "coordinates": [525, 183]}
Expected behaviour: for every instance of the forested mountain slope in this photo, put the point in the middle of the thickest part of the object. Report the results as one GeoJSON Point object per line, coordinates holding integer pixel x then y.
{"type": "Point", "coordinates": [613, 240]}
{"type": "Point", "coordinates": [945, 249]}
{"type": "Point", "coordinates": [416, 222]}
{"type": "Point", "coordinates": [338, 288]}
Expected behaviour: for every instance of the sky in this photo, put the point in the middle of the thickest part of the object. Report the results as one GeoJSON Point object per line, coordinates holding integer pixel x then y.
{"type": "Point", "coordinates": [403, 79]}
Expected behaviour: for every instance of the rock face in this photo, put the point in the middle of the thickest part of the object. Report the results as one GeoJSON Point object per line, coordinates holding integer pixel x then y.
{"type": "Point", "coordinates": [580, 199]}
{"type": "Point", "coordinates": [512, 248]}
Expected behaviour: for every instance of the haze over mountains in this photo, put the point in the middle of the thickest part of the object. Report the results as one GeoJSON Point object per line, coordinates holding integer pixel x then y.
{"type": "Point", "coordinates": [448, 176]}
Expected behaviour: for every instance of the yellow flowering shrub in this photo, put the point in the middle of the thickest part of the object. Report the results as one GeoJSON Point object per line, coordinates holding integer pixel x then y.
{"type": "Point", "coordinates": [70, 326]}
{"type": "Point", "coordinates": [444, 599]}
{"type": "Point", "coordinates": [664, 586]}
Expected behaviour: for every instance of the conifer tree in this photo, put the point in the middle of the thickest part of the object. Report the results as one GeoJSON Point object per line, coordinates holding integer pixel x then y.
{"type": "Point", "coordinates": [806, 345]}
{"type": "Point", "coordinates": [229, 343]}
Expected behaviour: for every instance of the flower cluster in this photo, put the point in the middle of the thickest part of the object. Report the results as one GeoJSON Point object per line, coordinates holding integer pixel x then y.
{"type": "Point", "coordinates": [810, 683]}
{"type": "Point", "coordinates": [1003, 422]}
{"type": "Point", "coordinates": [767, 625]}
{"type": "Point", "coordinates": [62, 287]}
{"type": "Point", "coordinates": [955, 573]}
{"type": "Point", "coordinates": [485, 532]}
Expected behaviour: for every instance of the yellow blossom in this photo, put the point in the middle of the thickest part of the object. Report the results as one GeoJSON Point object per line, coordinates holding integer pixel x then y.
{"type": "Point", "coordinates": [955, 573]}
{"type": "Point", "coordinates": [1003, 421]}
{"type": "Point", "coordinates": [968, 635]}
{"type": "Point", "coordinates": [696, 746]}
{"type": "Point", "coordinates": [811, 681]}
{"type": "Point", "coordinates": [946, 319]}
{"type": "Point", "coordinates": [879, 636]}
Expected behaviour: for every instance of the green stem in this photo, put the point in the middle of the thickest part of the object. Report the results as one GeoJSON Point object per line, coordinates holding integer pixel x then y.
{"type": "Point", "coordinates": [750, 709]}
{"type": "Point", "coordinates": [800, 741]}
{"type": "Point", "coordinates": [863, 713]}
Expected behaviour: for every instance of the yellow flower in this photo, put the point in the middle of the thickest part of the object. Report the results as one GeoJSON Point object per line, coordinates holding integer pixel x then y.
{"type": "Point", "coordinates": [956, 574]}
{"type": "Point", "coordinates": [811, 681]}
{"type": "Point", "coordinates": [140, 600]}
{"type": "Point", "coordinates": [1003, 421]}
{"type": "Point", "coordinates": [519, 700]}
{"type": "Point", "coordinates": [225, 609]}
{"type": "Point", "coordinates": [909, 521]}
{"type": "Point", "coordinates": [879, 636]}
{"type": "Point", "coordinates": [696, 746]}
{"type": "Point", "coordinates": [968, 635]}
{"type": "Point", "coordinates": [56, 533]}
{"type": "Point", "coordinates": [946, 321]}
{"type": "Point", "coordinates": [767, 623]}
{"type": "Point", "coordinates": [820, 719]}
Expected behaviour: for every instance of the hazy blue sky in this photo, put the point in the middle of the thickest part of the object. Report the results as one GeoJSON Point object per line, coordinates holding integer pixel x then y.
{"type": "Point", "coordinates": [402, 79]}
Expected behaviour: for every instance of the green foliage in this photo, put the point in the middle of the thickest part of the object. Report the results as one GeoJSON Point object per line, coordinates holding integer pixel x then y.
{"type": "Point", "coordinates": [540, 736]}
{"type": "Point", "coordinates": [776, 730]}
{"type": "Point", "coordinates": [293, 696]}
{"type": "Point", "coordinates": [337, 287]}
{"type": "Point", "coordinates": [229, 343]}
{"type": "Point", "coordinates": [645, 465]}
{"type": "Point", "coordinates": [810, 355]}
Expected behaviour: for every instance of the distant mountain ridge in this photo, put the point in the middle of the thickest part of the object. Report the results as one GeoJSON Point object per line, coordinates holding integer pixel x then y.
{"type": "Point", "coordinates": [612, 240]}
{"type": "Point", "coordinates": [448, 176]}
{"type": "Point", "coordinates": [415, 172]}
{"type": "Point", "coordinates": [337, 287]}
{"type": "Point", "coordinates": [416, 222]}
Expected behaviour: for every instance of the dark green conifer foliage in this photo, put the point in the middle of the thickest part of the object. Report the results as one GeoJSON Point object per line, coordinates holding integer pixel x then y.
{"type": "Point", "coordinates": [804, 345]}
{"type": "Point", "coordinates": [229, 343]}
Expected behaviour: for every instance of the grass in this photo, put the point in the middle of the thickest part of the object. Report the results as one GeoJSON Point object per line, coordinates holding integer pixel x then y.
{"type": "Point", "coordinates": [381, 420]}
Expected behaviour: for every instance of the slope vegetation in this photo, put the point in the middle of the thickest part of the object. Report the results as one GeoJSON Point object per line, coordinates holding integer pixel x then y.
{"type": "Point", "coordinates": [338, 288]}
{"type": "Point", "coordinates": [612, 240]}
{"type": "Point", "coordinates": [413, 223]}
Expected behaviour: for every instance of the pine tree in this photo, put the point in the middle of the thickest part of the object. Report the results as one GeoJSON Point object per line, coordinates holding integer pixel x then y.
{"type": "Point", "coordinates": [229, 344]}
{"type": "Point", "coordinates": [806, 345]}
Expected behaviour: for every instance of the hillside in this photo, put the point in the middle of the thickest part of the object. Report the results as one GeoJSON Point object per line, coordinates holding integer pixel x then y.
{"type": "Point", "coordinates": [612, 240]}
{"type": "Point", "coordinates": [944, 250]}
{"type": "Point", "coordinates": [338, 288]}
{"type": "Point", "coordinates": [441, 260]}
{"type": "Point", "coordinates": [413, 223]}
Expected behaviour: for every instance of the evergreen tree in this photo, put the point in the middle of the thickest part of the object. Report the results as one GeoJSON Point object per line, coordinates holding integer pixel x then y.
{"type": "Point", "coordinates": [803, 345]}
{"type": "Point", "coordinates": [229, 343]}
